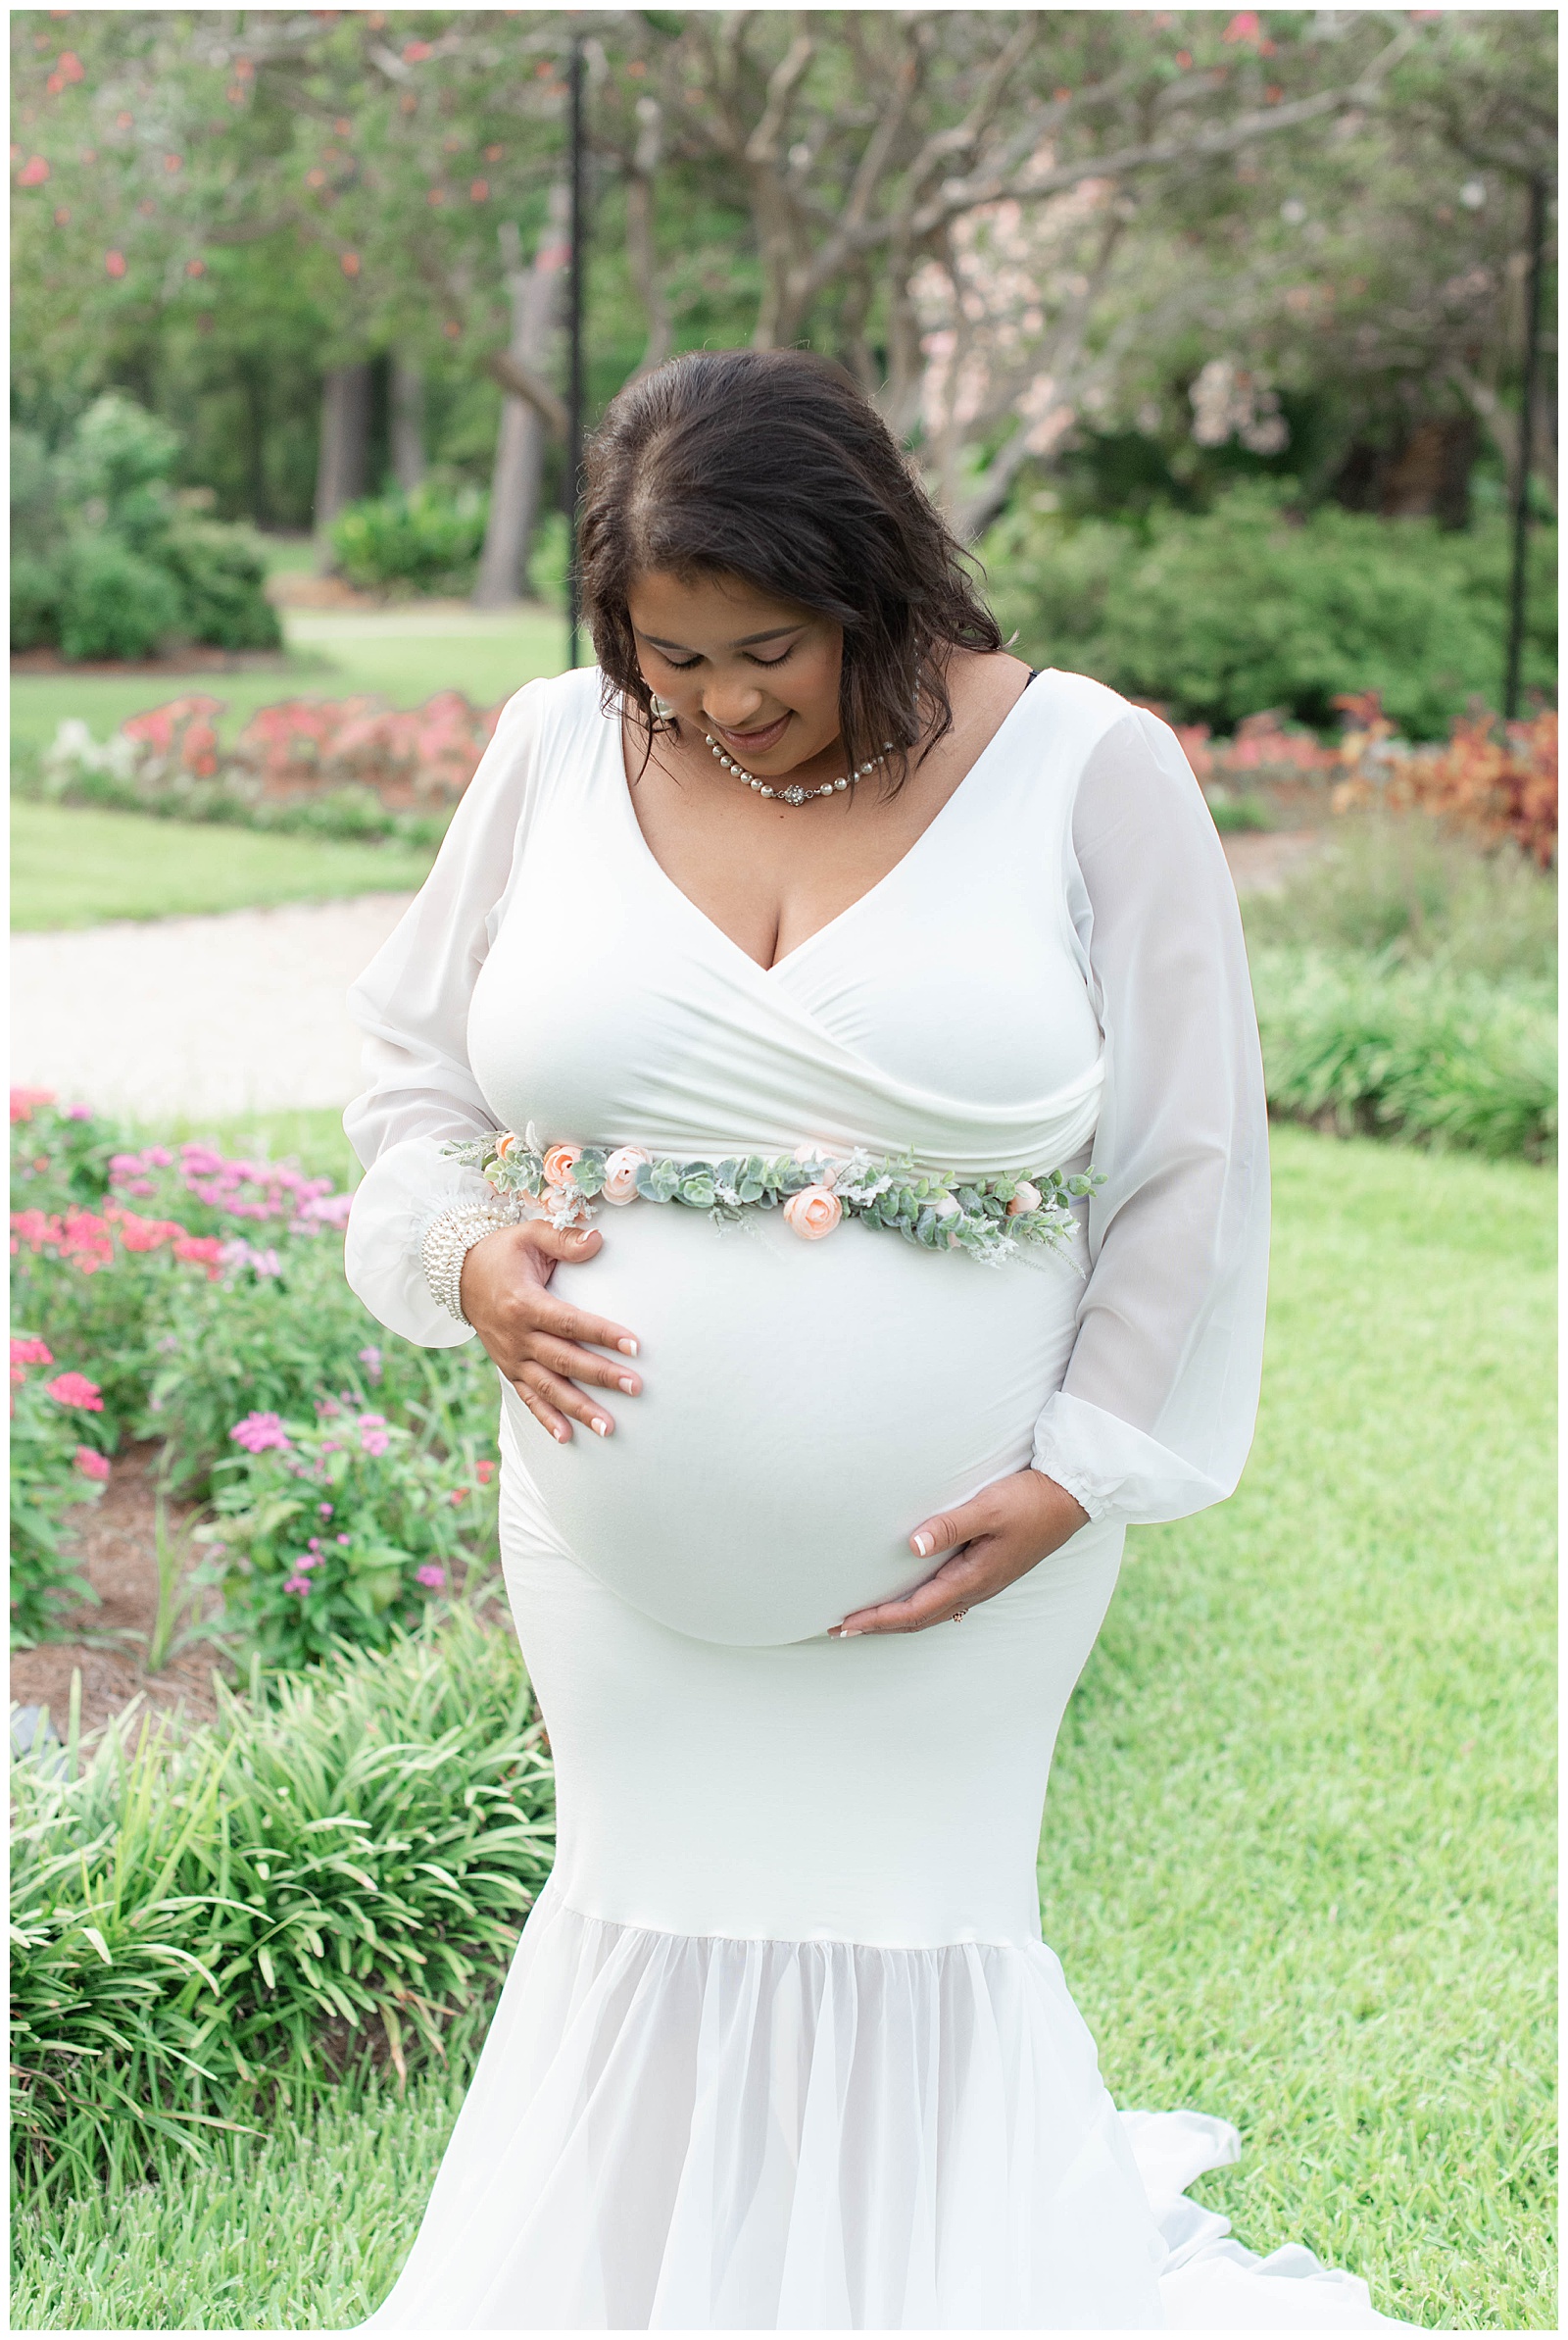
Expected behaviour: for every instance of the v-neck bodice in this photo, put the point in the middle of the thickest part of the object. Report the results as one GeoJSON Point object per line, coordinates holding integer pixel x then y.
{"type": "Point", "coordinates": [946, 1009]}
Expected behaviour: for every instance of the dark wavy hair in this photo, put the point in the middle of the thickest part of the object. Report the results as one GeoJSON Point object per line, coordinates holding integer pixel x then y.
{"type": "Point", "coordinates": [770, 466]}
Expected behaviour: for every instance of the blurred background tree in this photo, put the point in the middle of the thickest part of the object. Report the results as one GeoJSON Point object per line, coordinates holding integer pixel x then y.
{"type": "Point", "coordinates": [1098, 268]}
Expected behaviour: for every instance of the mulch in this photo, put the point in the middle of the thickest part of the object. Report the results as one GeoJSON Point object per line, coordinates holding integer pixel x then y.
{"type": "Point", "coordinates": [118, 1548]}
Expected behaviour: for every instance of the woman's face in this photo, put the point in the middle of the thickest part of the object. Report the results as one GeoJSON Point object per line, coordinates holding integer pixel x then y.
{"type": "Point", "coordinates": [762, 675]}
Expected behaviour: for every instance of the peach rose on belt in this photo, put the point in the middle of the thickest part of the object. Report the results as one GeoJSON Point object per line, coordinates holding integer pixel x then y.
{"type": "Point", "coordinates": [620, 1173]}
{"type": "Point", "coordinates": [812, 1212]}
{"type": "Point", "coordinates": [1027, 1198]}
{"type": "Point", "coordinates": [559, 1164]}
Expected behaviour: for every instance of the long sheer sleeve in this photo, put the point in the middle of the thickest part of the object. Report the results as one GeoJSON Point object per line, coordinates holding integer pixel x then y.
{"type": "Point", "coordinates": [412, 1004]}
{"type": "Point", "coordinates": [1156, 1413]}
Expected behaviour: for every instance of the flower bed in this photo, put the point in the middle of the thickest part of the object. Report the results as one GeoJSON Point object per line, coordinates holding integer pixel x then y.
{"type": "Point", "coordinates": [223, 1305]}
{"type": "Point", "coordinates": [344, 767]}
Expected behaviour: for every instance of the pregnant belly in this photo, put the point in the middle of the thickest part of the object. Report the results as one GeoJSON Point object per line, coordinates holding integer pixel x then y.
{"type": "Point", "coordinates": [804, 1407]}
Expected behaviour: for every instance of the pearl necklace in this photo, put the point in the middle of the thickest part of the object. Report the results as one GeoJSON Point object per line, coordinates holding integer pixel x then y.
{"type": "Point", "coordinates": [794, 794]}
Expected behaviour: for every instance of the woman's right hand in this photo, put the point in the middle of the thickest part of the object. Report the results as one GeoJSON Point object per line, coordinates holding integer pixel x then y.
{"type": "Point", "coordinates": [534, 1339]}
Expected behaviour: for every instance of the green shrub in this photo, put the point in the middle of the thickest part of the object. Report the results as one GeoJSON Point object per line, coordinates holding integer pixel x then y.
{"type": "Point", "coordinates": [114, 602]}
{"type": "Point", "coordinates": [1404, 885]}
{"type": "Point", "coordinates": [221, 573]}
{"type": "Point", "coordinates": [344, 1527]}
{"type": "Point", "coordinates": [1424, 1051]}
{"type": "Point", "coordinates": [426, 541]}
{"type": "Point", "coordinates": [207, 1932]}
{"type": "Point", "coordinates": [109, 562]}
{"type": "Point", "coordinates": [1224, 613]}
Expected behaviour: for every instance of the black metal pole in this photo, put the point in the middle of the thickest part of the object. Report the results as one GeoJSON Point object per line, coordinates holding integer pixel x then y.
{"type": "Point", "coordinates": [575, 334]}
{"type": "Point", "coordinates": [1527, 432]}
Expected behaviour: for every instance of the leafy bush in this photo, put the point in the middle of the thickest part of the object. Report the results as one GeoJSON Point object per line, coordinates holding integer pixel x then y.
{"type": "Point", "coordinates": [425, 541]}
{"type": "Point", "coordinates": [206, 1931]}
{"type": "Point", "coordinates": [1227, 613]}
{"type": "Point", "coordinates": [54, 1469]}
{"type": "Point", "coordinates": [113, 602]}
{"type": "Point", "coordinates": [344, 1527]}
{"type": "Point", "coordinates": [59, 1153]}
{"type": "Point", "coordinates": [109, 562]}
{"type": "Point", "coordinates": [1407, 888]}
{"type": "Point", "coordinates": [1357, 1041]}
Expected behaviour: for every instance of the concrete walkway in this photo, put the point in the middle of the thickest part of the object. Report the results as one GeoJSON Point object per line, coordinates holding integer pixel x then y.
{"type": "Point", "coordinates": [192, 1017]}
{"type": "Point", "coordinates": [244, 1014]}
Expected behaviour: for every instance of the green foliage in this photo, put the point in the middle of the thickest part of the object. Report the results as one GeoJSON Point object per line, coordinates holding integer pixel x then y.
{"type": "Point", "coordinates": [341, 1529]}
{"type": "Point", "coordinates": [1357, 1041]}
{"type": "Point", "coordinates": [59, 1153]}
{"type": "Point", "coordinates": [1406, 886]}
{"type": "Point", "coordinates": [427, 541]}
{"type": "Point", "coordinates": [206, 1931]}
{"type": "Point", "coordinates": [1223, 614]}
{"type": "Point", "coordinates": [109, 562]}
{"type": "Point", "coordinates": [53, 1470]}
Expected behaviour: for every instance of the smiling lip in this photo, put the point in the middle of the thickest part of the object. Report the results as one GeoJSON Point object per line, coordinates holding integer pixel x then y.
{"type": "Point", "coordinates": [756, 743]}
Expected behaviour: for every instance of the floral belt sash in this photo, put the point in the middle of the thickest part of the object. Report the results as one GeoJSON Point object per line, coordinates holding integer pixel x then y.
{"type": "Point", "coordinates": [989, 1217]}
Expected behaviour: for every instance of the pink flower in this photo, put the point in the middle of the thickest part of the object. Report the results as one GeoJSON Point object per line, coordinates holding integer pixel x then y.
{"type": "Point", "coordinates": [25, 1102]}
{"type": "Point", "coordinates": [74, 1389]}
{"type": "Point", "coordinates": [324, 1510]}
{"type": "Point", "coordinates": [558, 1164]}
{"type": "Point", "coordinates": [812, 1212]}
{"type": "Point", "coordinates": [299, 1584]}
{"type": "Point", "coordinates": [620, 1173]}
{"type": "Point", "coordinates": [260, 1432]}
{"type": "Point", "coordinates": [345, 1539]}
{"type": "Point", "coordinates": [1025, 1198]}
{"type": "Point", "coordinates": [374, 1436]}
{"type": "Point", "coordinates": [370, 1359]}
{"type": "Point", "coordinates": [90, 1462]}
{"type": "Point", "coordinates": [26, 1351]}
{"type": "Point", "coordinates": [457, 1496]}
{"type": "Point", "coordinates": [431, 1576]}
{"type": "Point", "coordinates": [485, 1472]}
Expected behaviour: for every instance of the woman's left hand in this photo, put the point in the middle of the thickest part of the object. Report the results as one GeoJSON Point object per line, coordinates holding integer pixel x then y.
{"type": "Point", "coordinates": [1006, 1531]}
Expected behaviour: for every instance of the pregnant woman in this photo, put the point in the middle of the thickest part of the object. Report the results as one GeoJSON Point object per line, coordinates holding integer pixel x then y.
{"type": "Point", "coordinates": [820, 1069]}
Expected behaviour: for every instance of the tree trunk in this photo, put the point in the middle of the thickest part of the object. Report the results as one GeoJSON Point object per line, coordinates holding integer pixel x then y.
{"type": "Point", "coordinates": [342, 466]}
{"type": "Point", "coordinates": [520, 439]}
{"type": "Point", "coordinates": [407, 425]}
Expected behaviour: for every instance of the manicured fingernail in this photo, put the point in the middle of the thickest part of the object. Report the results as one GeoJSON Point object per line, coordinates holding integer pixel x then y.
{"type": "Point", "coordinates": [561, 1437]}
{"type": "Point", "coordinates": [628, 1348]}
{"type": "Point", "coordinates": [629, 1386]}
{"type": "Point", "coordinates": [850, 1632]}
{"type": "Point", "coordinates": [922, 1543]}
{"type": "Point", "coordinates": [601, 1425]}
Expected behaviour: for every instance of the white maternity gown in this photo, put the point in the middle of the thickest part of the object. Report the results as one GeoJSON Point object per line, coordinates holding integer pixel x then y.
{"type": "Point", "coordinates": [781, 2046]}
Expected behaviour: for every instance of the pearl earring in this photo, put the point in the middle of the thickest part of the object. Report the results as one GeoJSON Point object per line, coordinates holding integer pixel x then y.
{"type": "Point", "coordinates": [664, 708]}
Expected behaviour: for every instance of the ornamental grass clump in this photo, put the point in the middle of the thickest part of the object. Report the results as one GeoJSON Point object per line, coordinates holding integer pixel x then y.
{"type": "Point", "coordinates": [1356, 1041]}
{"type": "Point", "coordinates": [209, 1931]}
{"type": "Point", "coordinates": [343, 1528]}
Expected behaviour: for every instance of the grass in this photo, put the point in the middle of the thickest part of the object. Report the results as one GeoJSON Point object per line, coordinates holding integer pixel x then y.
{"type": "Point", "coordinates": [1299, 1860]}
{"type": "Point", "coordinates": [1299, 1856]}
{"type": "Point", "coordinates": [74, 867]}
{"type": "Point", "coordinates": [405, 654]}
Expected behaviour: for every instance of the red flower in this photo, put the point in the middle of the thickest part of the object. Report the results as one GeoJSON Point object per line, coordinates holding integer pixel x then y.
{"type": "Point", "coordinates": [74, 1389]}
{"type": "Point", "coordinates": [416, 51]}
{"type": "Point", "coordinates": [90, 1462]}
{"type": "Point", "coordinates": [24, 1102]}
{"type": "Point", "coordinates": [34, 171]}
{"type": "Point", "coordinates": [28, 1352]}
{"type": "Point", "coordinates": [114, 263]}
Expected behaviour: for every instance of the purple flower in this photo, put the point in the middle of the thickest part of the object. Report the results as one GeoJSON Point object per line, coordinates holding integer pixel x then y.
{"type": "Point", "coordinates": [345, 1539]}
{"type": "Point", "coordinates": [324, 1510]}
{"type": "Point", "coordinates": [299, 1584]}
{"type": "Point", "coordinates": [431, 1576]}
{"type": "Point", "coordinates": [374, 1436]}
{"type": "Point", "coordinates": [78, 1113]}
{"type": "Point", "coordinates": [370, 1359]}
{"type": "Point", "coordinates": [260, 1432]}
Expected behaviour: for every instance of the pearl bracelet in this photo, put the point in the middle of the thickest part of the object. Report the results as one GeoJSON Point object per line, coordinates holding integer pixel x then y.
{"type": "Point", "coordinates": [448, 1241]}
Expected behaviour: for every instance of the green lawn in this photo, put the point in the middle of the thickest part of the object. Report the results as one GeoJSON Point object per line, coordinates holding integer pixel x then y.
{"type": "Point", "coordinates": [1299, 1856]}
{"type": "Point", "coordinates": [404, 654]}
{"type": "Point", "coordinates": [75, 867]}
